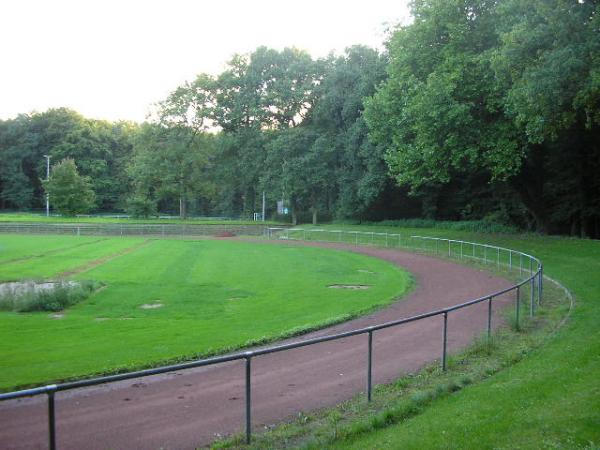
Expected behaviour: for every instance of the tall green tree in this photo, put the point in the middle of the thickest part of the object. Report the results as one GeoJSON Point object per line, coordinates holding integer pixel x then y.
{"type": "Point", "coordinates": [358, 167]}
{"type": "Point", "coordinates": [69, 192]}
{"type": "Point", "coordinates": [172, 164]}
{"type": "Point", "coordinates": [503, 89]}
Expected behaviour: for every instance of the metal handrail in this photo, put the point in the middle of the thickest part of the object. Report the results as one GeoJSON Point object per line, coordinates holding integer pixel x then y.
{"type": "Point", "coordinates": [271, 232]}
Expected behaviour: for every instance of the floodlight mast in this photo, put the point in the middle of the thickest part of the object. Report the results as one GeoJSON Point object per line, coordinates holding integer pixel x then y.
{"type": "Point", "coordinates": [47, 178]}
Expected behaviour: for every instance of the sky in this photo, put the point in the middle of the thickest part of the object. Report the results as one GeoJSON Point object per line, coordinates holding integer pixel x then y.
{"type": "Point", "coordinates": [113, 59]}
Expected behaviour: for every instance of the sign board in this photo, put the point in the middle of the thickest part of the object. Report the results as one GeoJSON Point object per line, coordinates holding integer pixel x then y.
{"type": "Point", "coordinates": [282, 209]}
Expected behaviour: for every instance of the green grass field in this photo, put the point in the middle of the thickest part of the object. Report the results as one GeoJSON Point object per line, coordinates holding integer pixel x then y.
{"type": "Point", "coordinates": [214, 296]}
{"type": "Point", "coordinates": [550, 399]}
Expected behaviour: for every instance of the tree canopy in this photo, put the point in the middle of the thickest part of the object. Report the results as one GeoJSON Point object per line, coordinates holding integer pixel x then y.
{"type": "Point", "coordinates": [478, 109]}
{"type": "Point", "coordinates": [69, 192]}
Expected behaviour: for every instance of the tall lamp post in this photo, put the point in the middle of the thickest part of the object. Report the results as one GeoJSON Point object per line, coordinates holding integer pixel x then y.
{"type": "Point", "coordinates": [47, 178]}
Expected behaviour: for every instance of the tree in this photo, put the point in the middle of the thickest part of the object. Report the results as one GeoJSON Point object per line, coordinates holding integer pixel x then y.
{"type": "Point", "coordinates": [100, 148]}
{"type": "Point", "coordinates": [299, 167]}
{"type": "Point", "coordinates": [70, 193]}
{"type": "Point", "coordinates": [358, 166]}
{"type": "Point", "coordinates": [171, 164]}
{"type": "Point", "coordinates": [505, 93]}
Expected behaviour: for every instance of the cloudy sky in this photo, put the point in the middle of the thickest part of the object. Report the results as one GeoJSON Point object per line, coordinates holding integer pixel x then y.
{"type": "Point", "coordinates": [112, 59]}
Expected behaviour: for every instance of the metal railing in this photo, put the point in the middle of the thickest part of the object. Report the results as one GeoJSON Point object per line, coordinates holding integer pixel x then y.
{"type": "Point", "coordinates": [129, 229]}
{"type": "Point", "coordinates": [532, 276]}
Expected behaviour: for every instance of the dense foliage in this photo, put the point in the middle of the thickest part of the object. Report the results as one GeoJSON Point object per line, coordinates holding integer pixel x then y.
{"type": "Point", "coordinates": [71, 193]}
{"type": "Point", "coordinates": [496, 104]}
{"type": "Point", "coordinates": [479, 109]}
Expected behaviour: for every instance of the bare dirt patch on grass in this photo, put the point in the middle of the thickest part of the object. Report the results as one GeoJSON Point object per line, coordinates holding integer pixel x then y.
{"type": "Point", "coordinates": [151, 305]}
{"type": "Point", "coordinates": [97, 262]}
{"type": "Point", "coordinates": [353, 287]}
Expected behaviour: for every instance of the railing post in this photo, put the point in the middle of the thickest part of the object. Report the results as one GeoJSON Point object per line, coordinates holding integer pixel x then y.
{"type": "Point", "coordinates": [518, 306]}
{"type": "Point", "coordinates": [531, 304]}
{"type": "Point", "coordinates": [449, 252]}
{"type": "Point", "coordinates": [510, 260]}
{"type": "Point", "coordinates": [540, 282]}
{"type": "Point", "coordinates": [248, 399]}
{"type": "Point", "coordinates": [461, 249]}
{"type": "Point", "coordinates": [386, 239]}
{"type": "Point", "coordinates": [445, 341]}
{"type": "Point", "coordinates": [370, 367]}
{"type": "Point", "coordinates": [489, 319]}
{"type": "Point", "coordinates": [498, 258]}
{"type": "Point", "coordinates": [520, 263]}
{"type": "Point", "coordinates": [485, 254]}
{"type": "Point", "coordinates": [530, 266]}
{"type": "Point", "coordinates": [51, 418]}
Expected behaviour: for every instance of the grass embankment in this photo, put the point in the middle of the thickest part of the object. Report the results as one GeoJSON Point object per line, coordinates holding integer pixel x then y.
{"type": "Point", "coordinates": [549, 399]}
{"type": "Point", "coordinates": [38, 218]}
{"type": "Point", "coordinates": [169, 300]}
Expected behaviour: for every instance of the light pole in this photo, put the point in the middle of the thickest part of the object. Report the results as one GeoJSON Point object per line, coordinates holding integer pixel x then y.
{"type": "Point", "coordinates": [47, 178]}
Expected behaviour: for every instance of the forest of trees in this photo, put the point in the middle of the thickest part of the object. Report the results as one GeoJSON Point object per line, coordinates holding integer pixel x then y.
{"type": "Point", "coordinates": [478, 109]}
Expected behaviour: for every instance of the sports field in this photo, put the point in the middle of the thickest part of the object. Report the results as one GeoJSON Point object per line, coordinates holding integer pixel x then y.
{"type": "Point", "coordinates": [166, 300]}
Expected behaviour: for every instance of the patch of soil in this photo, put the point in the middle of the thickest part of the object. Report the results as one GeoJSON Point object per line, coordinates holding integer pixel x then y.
{"type": "Point", "coordinates": [354, 287]}
{"type": "Point", "coordinates": [366, 271]}
{"type": "Point", "coordinates": [151, 305]}
{"type": "Point", "coordinates": [225, 234]}
{"type": "Point", "coordinates": [57, 316]}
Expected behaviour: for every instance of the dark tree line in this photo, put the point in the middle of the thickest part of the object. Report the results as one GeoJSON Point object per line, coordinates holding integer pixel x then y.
{"type": "Point", "coordinates": [493, 107]}
{"type": "Point", "coordinates": [479, 109]}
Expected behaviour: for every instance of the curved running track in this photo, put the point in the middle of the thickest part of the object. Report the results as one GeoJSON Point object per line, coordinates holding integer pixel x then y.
{"type": "Point", "coordinates": [187, 409]}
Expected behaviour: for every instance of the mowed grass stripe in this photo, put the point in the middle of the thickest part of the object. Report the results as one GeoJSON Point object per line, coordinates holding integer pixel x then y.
{"type": "Point", "coordinates": [97, 262]}
{"type": "Point", "coordinates": [214, 296]}
{"type": "Point", "coordinates": [18, 247]}
{"type": "Point", "coordinates": [54, 263]}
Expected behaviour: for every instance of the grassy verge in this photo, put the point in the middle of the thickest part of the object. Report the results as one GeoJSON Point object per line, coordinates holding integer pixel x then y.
{"type": "Point", "coordinates": [537, 389]}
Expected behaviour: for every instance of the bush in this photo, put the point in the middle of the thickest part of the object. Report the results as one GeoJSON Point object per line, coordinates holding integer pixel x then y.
{"type": "Point", "coordinates": [62, 295]}
{"type": "Point", "coordinates": [141, 207]}
{"type": "Point", "coordinates": [481, 226]}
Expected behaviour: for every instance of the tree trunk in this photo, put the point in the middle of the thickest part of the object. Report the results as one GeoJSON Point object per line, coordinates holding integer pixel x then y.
{"type": "Point", "coordinates": [182, 208]}
{"type": "Point", "coordinates": [294, 218]}
{"type": "Point", "coordinates": [529, 185]}
{"type": "Point", "coordinates": [314, 216]}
